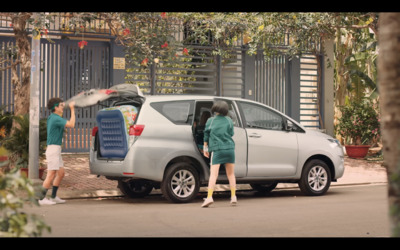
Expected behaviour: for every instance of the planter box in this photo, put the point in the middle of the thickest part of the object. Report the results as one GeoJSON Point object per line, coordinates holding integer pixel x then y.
{"type": "Point", "coordinates": [357, 151]}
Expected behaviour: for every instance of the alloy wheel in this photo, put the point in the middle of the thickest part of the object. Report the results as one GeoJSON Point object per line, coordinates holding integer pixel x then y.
{"type": "Point", "coordinates": [183, 183]}
{"type": "Point", "coordinates": [317, 178]}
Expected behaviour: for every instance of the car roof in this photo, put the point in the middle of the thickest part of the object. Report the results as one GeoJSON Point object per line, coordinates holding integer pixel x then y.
{"type": "Point", "coordinates": [160, 98]}
{"type": "Point", "coordinates": [187, 97]}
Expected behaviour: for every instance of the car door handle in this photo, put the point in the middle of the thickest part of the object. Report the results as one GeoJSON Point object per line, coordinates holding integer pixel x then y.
{"type": "Point", "coordinates": [254, 135]}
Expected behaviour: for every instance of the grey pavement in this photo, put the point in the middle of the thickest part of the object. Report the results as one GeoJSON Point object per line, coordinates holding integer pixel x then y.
{"type": "Point", "coordinates": [79, 183]}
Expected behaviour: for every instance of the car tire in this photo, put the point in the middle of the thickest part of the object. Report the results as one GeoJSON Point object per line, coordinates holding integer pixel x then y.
{"type": "Point", "coordinates": [265, 187]}
{"type": "Point", "coordinates": [315, 178]}
{"type": "Point", "coordinates": [181, 183]}
{"type": "Point", "coordinates": [135, 188]}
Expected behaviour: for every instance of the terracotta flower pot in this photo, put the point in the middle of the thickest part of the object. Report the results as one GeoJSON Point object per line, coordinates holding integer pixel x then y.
{"type": "Point", "coordinates": [24, 172]}
{"type": "Point", "coordinates": [357, 151]}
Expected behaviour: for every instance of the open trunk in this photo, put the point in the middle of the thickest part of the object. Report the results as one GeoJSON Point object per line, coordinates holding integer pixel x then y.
{"type": "Point", "coordinates": [117, 93]}
{"type": "Point", "coordinates": [116, 129]}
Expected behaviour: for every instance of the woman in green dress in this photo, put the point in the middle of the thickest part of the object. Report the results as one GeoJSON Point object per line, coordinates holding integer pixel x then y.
{"type": "Point", "coordinates": [218, 141]}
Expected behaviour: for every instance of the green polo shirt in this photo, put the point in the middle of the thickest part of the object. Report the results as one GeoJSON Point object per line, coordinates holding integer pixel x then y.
{"type": "Point", "coordinates": [55, 129]}
{"type": "Point", "coordinates": [218, 133]}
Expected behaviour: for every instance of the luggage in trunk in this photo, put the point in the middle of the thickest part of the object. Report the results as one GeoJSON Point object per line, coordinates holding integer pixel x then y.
{"type": "Point", "coordinates": [113, 130]}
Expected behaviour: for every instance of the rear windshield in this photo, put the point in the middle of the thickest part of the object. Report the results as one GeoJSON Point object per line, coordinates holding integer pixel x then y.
{"type": "Point", "coordinates": [178, 112]}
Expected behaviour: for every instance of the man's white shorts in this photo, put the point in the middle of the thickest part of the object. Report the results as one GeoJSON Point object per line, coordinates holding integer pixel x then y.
{"type": "Point", "coordinates": [53, 157]}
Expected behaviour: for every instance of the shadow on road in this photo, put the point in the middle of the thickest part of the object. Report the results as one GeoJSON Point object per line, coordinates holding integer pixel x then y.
{"type": "Point", "coordinates": [224, 195]}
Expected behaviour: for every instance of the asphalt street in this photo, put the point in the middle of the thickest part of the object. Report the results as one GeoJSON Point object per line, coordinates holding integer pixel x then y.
{"type": "Point", "coordinates": [345, 211]}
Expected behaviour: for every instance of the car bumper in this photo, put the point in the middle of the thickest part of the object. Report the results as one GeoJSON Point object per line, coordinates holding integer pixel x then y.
{"type": "Point", "coordinates": [339, 163]}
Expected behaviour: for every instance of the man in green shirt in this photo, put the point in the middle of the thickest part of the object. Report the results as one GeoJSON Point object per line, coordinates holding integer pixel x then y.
{"type": "Point", "coordinates": [55, 133]}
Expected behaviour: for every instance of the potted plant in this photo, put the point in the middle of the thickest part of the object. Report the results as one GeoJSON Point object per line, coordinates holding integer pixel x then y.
{"type": "Point", "coordinates": [359, 126]}
{"type": "Point", "coordinates": [17, 143]}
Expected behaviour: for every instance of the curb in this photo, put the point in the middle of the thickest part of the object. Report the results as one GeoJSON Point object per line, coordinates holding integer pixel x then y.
{"type": "Point", "coordinates": [83, 194]}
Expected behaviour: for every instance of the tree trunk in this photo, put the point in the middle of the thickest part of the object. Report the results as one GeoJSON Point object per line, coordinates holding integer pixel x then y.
{"type": "Point", "coordinates": [389, 88]}
{"type": "Point", "coordinates": [343, 50]}
{"type": "Point", "coordinates": [340, 91]}
{"type": "Point", "coordinates": [21, 85]}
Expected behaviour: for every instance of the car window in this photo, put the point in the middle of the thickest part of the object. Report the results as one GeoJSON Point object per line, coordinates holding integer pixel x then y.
{"type": "Point", "coordinates": [257, 116]}
{"type": "Point", "coordinates": [231, 112]}
{"type": "Point", "coordinates": [178, 112]}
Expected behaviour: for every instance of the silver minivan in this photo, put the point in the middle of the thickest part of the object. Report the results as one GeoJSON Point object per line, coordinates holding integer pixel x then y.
{"type": "Point", "coordinates": [146, 142]}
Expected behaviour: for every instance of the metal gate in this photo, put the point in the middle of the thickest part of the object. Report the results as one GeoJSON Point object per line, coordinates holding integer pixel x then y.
{"type": "Point", "coordinates": [79, 70]}
{"type": "Point", "coordinates": [310, 115]}
{"type": "Point", "coordinates": [271, 81]}
{"type": "Point", "coordinates": [66, 70]}
{"type": "Point", "coordinates": [201, 73]}
{"type": "Point", "coordinates": [6, 90]}
{"type": "Point", "coordinates": [296, 94]}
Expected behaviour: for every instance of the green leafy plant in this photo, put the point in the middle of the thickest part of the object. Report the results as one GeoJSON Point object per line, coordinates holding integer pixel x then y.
{"type": "Point", "coordinates": [359, 124]}
{"type": "Point", "coordinates": [13, 222]}
{"type": "Point", "coordinates": [5, 121]}
{"type": "Point", "coordinates": [17, 143]}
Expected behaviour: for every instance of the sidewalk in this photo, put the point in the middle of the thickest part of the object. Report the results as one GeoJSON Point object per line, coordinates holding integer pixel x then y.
{"type": "Point", "coordinates": [79, 183]}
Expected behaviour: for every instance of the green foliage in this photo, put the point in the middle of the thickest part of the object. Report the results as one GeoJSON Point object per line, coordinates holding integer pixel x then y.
{"type": "Point", "coordinates": [5, 121]}
{"type": "Point", "coordinates": [17, 143]}
{"type": "Point", "coordinates": [361, 68]}
{"type": "Point", "coordinates": [176, 76]}
{"type": "Point", "coordinates": [147, 37]}
{"type": "Point", "coordinates": [13, 222]}
{"type": "Point", "coordinates": [359, 124]}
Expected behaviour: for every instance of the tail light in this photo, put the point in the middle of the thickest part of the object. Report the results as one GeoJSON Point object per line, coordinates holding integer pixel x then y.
{"type": "Point", "coordinates": [107, 91]}
{"type": "Point", "coordinates": [94, 131]}
{"type": "Point", "coordinates": [136, 130]}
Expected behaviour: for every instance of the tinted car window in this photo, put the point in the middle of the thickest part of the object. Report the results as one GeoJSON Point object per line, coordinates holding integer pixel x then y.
{"type": "Point", "coordinates": [257, 116]}
{"type": "Point", "coordinates": [178, 112]}
{"type": "Point", "coordinates": [232, 112]}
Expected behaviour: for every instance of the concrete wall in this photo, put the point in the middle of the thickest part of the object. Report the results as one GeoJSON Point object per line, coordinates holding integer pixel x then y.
{"type": "Point", "coordinates": [328, 87]}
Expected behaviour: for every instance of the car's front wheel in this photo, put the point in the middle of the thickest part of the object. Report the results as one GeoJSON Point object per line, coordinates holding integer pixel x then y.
{"type": "Point", "coordinates": [316, 178]}
{"type": "Point", "coordinates": [181, 183]}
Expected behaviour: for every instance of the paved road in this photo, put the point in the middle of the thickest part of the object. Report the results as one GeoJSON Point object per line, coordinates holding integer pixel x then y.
{"type": "Point", "coordinates": [354, 211]}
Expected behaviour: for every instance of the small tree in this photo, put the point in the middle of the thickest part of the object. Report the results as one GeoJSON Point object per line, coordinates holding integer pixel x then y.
{"type": "Point", "coordinates": [21, 85]}
{"type": "Point", "coordinates": [359, 123]}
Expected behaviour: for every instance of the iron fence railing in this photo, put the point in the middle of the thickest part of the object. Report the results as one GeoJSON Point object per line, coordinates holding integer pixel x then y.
{"type": "Point", "coordinates": [61, 25]}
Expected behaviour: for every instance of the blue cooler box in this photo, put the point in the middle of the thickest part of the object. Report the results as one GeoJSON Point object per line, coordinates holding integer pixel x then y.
{"type": "Point", "coordinates": [113, 134]}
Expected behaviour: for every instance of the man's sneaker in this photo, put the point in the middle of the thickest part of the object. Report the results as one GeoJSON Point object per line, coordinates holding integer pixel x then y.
{"type": "Point", "coordinates": [57, 200]}
{"type": "Point", "coordinates": [46, 201]}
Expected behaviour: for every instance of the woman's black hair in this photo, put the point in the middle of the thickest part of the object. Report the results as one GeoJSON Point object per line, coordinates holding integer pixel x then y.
{"type": "Point", "coordinates": [220, 107]}
{"type": "Point", "coordinates": [51, 105]}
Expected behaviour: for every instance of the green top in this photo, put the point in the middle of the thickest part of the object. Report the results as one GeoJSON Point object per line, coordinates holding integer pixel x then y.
{"type": "Point", "coordinates": [55, 129]}
{"type": "Point", "coordinates": [218, 133]}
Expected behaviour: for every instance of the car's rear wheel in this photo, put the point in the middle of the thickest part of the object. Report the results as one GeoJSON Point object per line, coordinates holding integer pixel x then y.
{"type": "Point", "coordinates": [316, 178]}
{"type": "Point", "coordinates": [135, 188]}
{"type": "Point", "coordinates": [181, 183]}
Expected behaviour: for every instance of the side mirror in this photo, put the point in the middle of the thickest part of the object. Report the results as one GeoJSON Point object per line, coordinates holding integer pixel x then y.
{"type": "Point", "coordinates": [289, 125]}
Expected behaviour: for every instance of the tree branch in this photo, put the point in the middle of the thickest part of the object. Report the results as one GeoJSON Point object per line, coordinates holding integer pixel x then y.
{"type": "Point", "coordinates": [10, 66]}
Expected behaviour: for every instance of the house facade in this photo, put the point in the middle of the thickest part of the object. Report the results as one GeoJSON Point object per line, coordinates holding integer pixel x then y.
{"type": "Point", "coordinates": [298, 86]}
